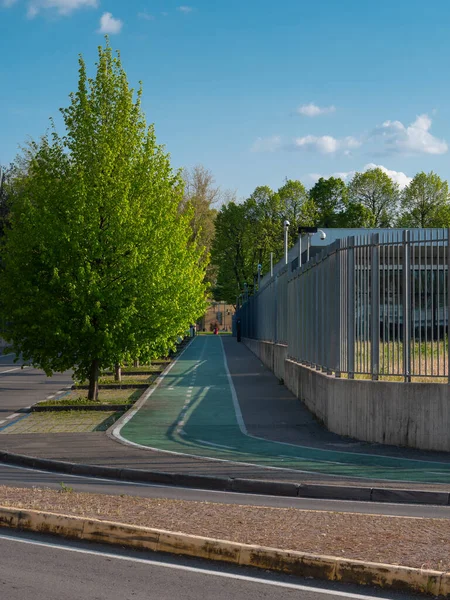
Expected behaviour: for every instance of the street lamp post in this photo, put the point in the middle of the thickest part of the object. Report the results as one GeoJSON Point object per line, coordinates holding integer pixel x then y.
{"type": "Point", "coordinates": [286, 240]}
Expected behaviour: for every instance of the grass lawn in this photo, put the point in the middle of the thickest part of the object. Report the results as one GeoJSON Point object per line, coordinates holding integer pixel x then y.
{"type": "Point", "coordinates": [74, 421]}
{"type": "Point", "coordinates": [79, 398]}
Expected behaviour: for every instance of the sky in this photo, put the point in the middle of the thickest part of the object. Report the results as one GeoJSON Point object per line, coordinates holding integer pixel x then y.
{"type": "Point", "coordinates": [256, 91]}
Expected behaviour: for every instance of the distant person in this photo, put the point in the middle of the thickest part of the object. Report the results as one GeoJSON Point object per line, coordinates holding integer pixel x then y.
{"type": "Point", "coordinates": [238, 330]}
{"type": "Point", "coordinates": [216, 330]}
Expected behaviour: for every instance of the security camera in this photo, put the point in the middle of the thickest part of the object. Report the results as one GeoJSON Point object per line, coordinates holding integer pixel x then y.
{"type": "Point", "coordinates": [286, 223]}
{"type": "Point", "coordinates": [323, 235]}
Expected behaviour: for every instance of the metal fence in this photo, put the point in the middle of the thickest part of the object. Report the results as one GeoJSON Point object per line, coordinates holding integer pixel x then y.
{"type": "Point", "coordinates": [375, 305]}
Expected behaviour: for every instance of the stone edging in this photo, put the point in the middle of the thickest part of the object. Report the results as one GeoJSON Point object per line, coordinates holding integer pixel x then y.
{"type": "Point", "coordinates": [330, 568]}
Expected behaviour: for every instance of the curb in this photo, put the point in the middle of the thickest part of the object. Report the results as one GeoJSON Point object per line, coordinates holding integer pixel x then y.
{"type": "Point", "coordinates": [330, 568]}
{"type": "Point", "coordinates": [232, 484]}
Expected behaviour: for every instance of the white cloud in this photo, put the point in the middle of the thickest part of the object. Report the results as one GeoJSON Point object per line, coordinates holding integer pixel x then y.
{"type": "Point", "coordinates": [397, 176]}
{"type": "Point", "coordinates": [268, 144]}
{"type": "Point", "coordinates": [108, 24]}
{"type": "Point", "coordinates": [144, 15]}
{"type": "Point", "coordinates": [312, 110]}
{"type": "Point", "coordinates": [185, 9]}
{"type": "Point", "coordinates": [63, 7]}
{"type": "Point", "coordinates": [326, 144]}
{"type": "Point", "coordinates": [413, 139]}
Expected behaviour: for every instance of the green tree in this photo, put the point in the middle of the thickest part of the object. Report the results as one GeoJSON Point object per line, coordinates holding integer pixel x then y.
{"type": "Point", "coordinates": [234, 252]}
{"type": "Point", "coordinates": [4, 202]}
{"type": "Point", "coordinates": [330, 197]}
{"type": "Point", "coordinates": [425, 202]}
{"type": "Point", "coordinates": [97, 264]}
{"type": "Point", "coordinates": [202, 198]}
{"type": "Point", "coordinates": [297, 207]}
{"type": "Point", "coordinates": [376, 192]}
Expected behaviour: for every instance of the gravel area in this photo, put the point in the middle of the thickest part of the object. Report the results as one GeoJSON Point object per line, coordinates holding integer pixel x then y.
{"type": "Point", "coordinates": [409, 541]}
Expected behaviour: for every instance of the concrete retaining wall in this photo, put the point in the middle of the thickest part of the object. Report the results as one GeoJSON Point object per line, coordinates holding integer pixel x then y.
{"type": "Point", "coordinates": [414, 414]}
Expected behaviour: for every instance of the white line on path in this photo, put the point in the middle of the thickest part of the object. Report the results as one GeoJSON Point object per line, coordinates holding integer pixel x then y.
{"type": "Point", "coordinates": [120, 424]}
{"type": "Point", "coordinates": [11, 370]}
{"type": "Point", "coordinates": [13, 416]}
{"type": "Point", "coordinates": [199, 571]}
{"type": "Point", "coordinates": [215, 445]}
{"type": "Point", "coordinates": [1, 422]}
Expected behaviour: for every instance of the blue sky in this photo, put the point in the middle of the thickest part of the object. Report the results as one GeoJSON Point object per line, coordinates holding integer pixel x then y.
{"type": "Point", "coordinates": [254, 90]}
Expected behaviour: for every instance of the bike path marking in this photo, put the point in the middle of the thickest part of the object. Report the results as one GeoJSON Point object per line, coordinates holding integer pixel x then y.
{"type": "Point", "coordinates": [207, 423]}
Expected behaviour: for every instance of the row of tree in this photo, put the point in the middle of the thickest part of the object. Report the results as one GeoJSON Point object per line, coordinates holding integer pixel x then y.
{"type": "Point", "coordinates": [246, 233]}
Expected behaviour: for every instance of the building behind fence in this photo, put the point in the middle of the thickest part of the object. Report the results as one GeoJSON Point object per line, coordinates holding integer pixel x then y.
{"type": "Point", "coordinates": [372, 305]}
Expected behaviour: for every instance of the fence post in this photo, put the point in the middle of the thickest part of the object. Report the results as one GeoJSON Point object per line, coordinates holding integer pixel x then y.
{"type": "Point", "coordinates": [406, 308]}
{"type": "Point", "coordinates": [375, 306]}
{"type": "Point", "coordinates": [448, 305]}
{"type": "Point", "coordinates": [337, 309]}
{"type": "Point", "coordinates": [275, 311]}
{"type": "Point", "coordinates": [351, 307]}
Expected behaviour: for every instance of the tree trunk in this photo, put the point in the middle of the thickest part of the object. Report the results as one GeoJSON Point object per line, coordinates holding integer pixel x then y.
{"type": "Point", "coordinates": [136, 362]}
{"type": "Point", "coordinates": [93, 381]}
{"type": "Point", "coordinates": [117, 373]}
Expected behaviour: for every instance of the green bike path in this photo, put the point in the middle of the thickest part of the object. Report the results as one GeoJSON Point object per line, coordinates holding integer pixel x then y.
{"type": "Point", "coordinates": [195, 411]}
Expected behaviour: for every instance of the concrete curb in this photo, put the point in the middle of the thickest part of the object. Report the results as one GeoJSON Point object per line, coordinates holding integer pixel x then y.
{"type": "Point", "coordinates": [232, 484]}
{"type": "Point", "coordinates": [330, 568]}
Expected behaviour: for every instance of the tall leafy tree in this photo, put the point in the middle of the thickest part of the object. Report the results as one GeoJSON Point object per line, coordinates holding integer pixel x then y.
{"type": "Point", "coordinates": [378, 194]}
{"type": "Point", "coordinates": [297, 207]}
{"type": "Point", "coordinates": [330, 197]}
{"type": "Point", "coordinates": [234, 251]}
{"type": "Point", "coordinates": [425, 202]}
{"type": "Point", "coordinates": [201, 196]}
{"type": "Point", "coordinates": [98, 264]}
{"type": "Point", "coordinates": [4, 203]}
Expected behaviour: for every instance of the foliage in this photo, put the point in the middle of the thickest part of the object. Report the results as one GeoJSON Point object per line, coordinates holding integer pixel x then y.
{"type": "Point", "coordinates": [330, 197]}
{"type": "Point", "coordinates": [98, 264]}
{"type": "Point", "coordinates": [425, 202]}
{"type": "Point", "coordinates": [375, 191]}
{"type": "Point", "coordinates": [201, 198]}
{"type": "Point", "coordinates": [233, 251]}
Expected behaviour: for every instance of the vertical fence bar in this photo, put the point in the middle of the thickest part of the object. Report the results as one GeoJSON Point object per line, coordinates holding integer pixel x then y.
{"type": "Point", "coordinates": [447, 320]}
{"type": "Point", "coordinates": [351, 308]}
{"type": "Point", "coordinates": [337, 309]}
{"type": "Point", "coordinates": [375, 306]}
{"type": "Point", "coordinates": [275, 309]}
{"type": "Point", "coordinates": [406, 307]}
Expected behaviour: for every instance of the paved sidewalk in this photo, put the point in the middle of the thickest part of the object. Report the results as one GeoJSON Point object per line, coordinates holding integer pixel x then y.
{"type": "Point", "coordinates": [269, 412]}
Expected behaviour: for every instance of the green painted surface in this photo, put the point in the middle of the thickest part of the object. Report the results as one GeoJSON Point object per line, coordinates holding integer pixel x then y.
{"type": "Point", "coordinates": [192, 412]}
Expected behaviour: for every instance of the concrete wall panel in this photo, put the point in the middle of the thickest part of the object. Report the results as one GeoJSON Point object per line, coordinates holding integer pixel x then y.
{"type": "Point", "coordinates": [413, 414]}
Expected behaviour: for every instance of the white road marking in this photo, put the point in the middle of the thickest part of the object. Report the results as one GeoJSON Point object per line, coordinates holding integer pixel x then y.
{"type": "Point", "coordinates": [15, 369]}
{"type": "Point", "coordinates": [120, 425]}
{"type": "Point", "coordinates": [1, 422]}
{"type": "Point", "coordinates": [215, 445]}
{"type": "Point", "coordinates": [13, 416]}
{"type": "Point", "coordinates": [300, 500]}
{"type": "Point", "coordinates": [50, 397]}
{"type": "Point", "coordinates": [199, 571]}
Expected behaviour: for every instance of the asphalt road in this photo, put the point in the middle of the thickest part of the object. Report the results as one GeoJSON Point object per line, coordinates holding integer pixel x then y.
{"type": "Point", "coordinates": [53, 568]}
{"type": "Point", "coordinates": [21, 477]}
{"type": "Point", "coordinates": [21, 387]}
{"type": "Point", "coordinates": [46, 568]}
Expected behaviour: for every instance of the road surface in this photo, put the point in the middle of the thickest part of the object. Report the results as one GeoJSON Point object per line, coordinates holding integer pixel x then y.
{"type": "Point", "coordinates": [46, 568]}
